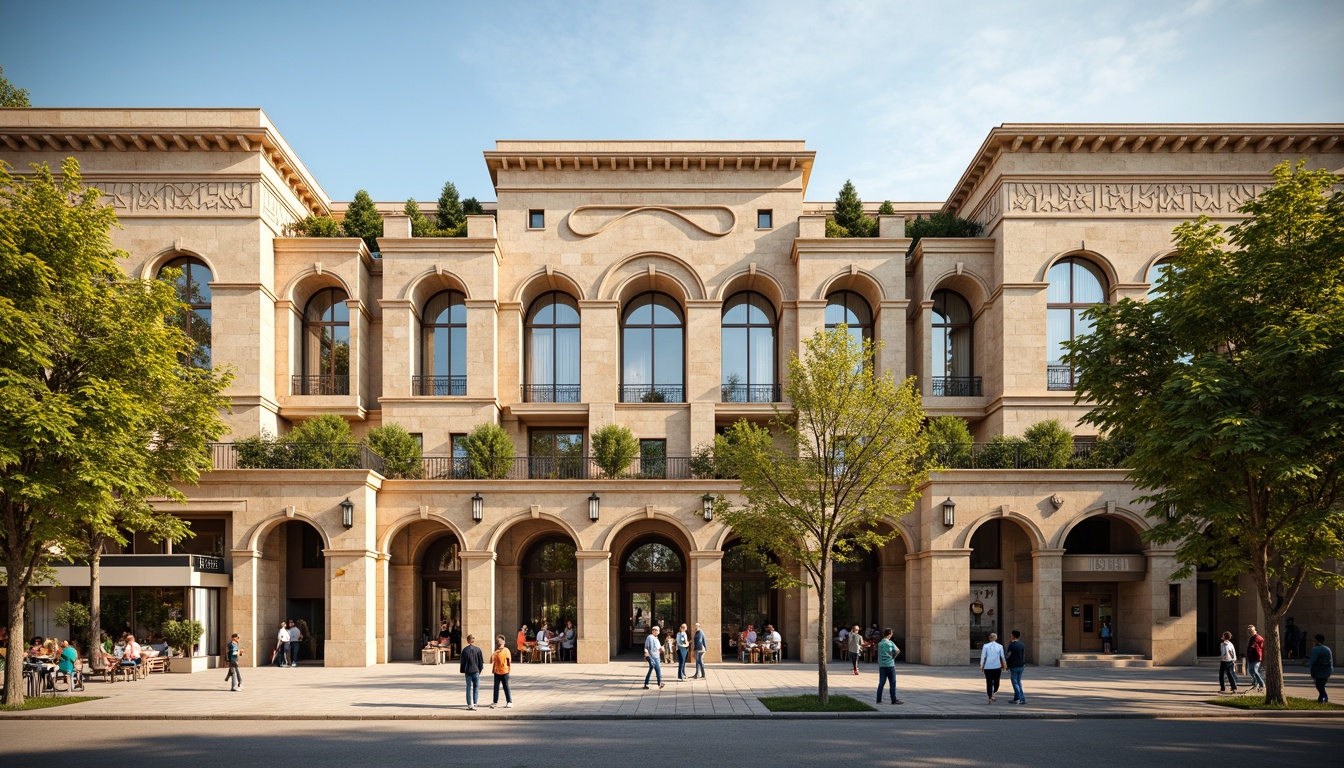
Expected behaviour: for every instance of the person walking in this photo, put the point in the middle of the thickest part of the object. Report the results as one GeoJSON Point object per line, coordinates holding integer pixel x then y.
{"type": "Point", "coordinates": [886, 665]}
{"type": "Point", "coordinates": [992, 660]}
{"type": "Point", "coordinates": [1255, 655]}
{"type": "Point", "coordinates": [499, 665]}
{"type": "Point", "coordinates": [1321, 663]}
{"type": "Point", "coordinates": [652, 650]}
{"type": "Point", "coordinates": [293, 646]}
{"type": "Point", "coordinates": [855, 641]}
{"type": "Point", "coordinates": [1017, 663]}
{"type": "Point", "coordinates": [471, 665]}
{"type": "Point", "coordinates": [281, 655]}
{"type": "Point", "coordinates": [234, 677]}
{"type": "Point", "coordinates": [683, 648]}
{"type": "Point", "coordinates": [700, 644]}
{"type": "Point", "coordinates": [1227, 663]}
{"type": "Point", "coordinates": [1106, 637]}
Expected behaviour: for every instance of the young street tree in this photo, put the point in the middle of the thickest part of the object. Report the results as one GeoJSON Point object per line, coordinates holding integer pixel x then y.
{"type": "Point", "coordinates": [1230, 386]}
{"type": "Point", "coordinates": [851, 457]}
{"type": "Point", "coordinates": [97, 411]}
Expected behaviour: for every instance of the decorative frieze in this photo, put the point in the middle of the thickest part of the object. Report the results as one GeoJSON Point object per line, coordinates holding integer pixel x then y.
{"type": "Point", "coordinates": [158, 197]}
{"type": "Point", "coordinates": [1159, 198]}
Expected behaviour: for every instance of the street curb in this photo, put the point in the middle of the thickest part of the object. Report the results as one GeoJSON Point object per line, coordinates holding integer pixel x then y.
{"type": "Point", "coordinates": [1018, 715]}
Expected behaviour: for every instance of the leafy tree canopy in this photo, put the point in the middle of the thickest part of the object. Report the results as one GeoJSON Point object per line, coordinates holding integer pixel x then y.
{"type": "Point", "coordinates": [363, 220]}
{"type": "Point", "coordinates": [450, 214]}
{"type": "Point", "coordinates": [1229, 384]}
{"type": "Point", "coordinates": [11, 96]}
{"type": "Point", "coordinates": [940, 225]}
{"type": "Point", "coordinates": [848, 218]}
{"type": "Point", "coordinates": [400, 451]}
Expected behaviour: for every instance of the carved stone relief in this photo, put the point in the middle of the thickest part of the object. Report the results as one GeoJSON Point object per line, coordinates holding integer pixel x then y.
{"type": "Point", "coordinates": [178, 196]}
{"type": "Point", "coordinates": [1136, 198]}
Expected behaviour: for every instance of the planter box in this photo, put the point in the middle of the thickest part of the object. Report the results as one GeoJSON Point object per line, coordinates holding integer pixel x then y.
{"type": "Point", "coordinates": [180, 666]}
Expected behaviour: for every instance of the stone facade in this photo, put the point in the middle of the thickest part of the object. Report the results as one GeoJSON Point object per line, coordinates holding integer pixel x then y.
{"type": "Point", "coordinates": [604, 223]}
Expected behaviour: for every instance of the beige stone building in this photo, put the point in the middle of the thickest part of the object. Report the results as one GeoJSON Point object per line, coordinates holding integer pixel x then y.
{"type": "Point", "coordinates": [660, 285]}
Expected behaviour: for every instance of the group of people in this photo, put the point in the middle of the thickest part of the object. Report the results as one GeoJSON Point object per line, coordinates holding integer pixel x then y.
{"type": "Point", "coordinates": [994, 658]}
{"type": "Point", "coordinates": [748, 640]}
{"type": "Point", "coordinates": [1321, 663]}
{"type": "Point", "coordinates": [501, 663]}
{"type": "Point", "coordinates": [547, 642]}
{"type": "Point", "coordinates": [286, 653]}
{"type": "Point", "coordinates": [684, 644]}
{"type": "Point", "coordinates": [47, 657]}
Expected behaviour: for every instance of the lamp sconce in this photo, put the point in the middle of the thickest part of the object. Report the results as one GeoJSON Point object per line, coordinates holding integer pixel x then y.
{"type": "Point", "coordinates": [594, 506]}
{"type": "Point", "coordinates": [1171, 510]}
{"type": "Point", "coordinates": [949, 512]}
{"type": "Point", "coordinates": [348, 513]}
{"type": "Point", "coordinates": [1056, 501]}
{"type": "Point", "coordinates": [477, 507]}
{"type": "Point", "coordinates": [707, 505]}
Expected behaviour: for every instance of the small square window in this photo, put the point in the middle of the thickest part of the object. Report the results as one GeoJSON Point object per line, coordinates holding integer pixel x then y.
{"type": "Point", "coordinates": [419, 438]}
{"type": "Point", "coordinates": [536, 219]}
{"type": "Point", "coordinates": [765, 219]}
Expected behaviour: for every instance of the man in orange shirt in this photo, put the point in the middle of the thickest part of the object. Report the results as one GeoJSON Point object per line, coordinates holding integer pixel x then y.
{"type": "Point", "coordinates": [499, 664]}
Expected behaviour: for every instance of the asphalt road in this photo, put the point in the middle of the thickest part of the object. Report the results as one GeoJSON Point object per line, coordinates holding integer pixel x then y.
{"type": "Point", "coordinates": [621, 744]}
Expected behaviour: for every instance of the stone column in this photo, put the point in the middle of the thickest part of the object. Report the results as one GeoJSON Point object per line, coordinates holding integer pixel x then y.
{"type": "Point", "coordinates": [923, 336]}
{"type": "Point", "coordinates": [380, 606]}
{"type": "Point", "coordinates": [599, 329]}
{"type": "Point", "coordinates": [359, 333]}
{"type": "Point", "coordinates": [1171, 639]}
{"type": "Point", "coordinates": [891, 332]}
{"type": "Point", "coordinates": [809, 619]}
{"type": "Point", "coordinates": [941, 612]}
{"type": "Point", "coordinates": [352, 585]}
{"type": "Point", "coordinates": [811, 318]}
{"type": "Point", "coordinates": [482, 348]}
{"type": "Point", "coordinates": [508, 594]}
{"type": "Point", "coordinates": [704, 359]}
{"type": "Point", "coordinates": [706, 599]}
{"type": "Point", "coordinates": [478, 597]}
{"type": "Point", "coordinates": [402, 587]}
{"type": "Point", "coordinates": [891, 609]}
{"type": "Point", "coordinates": [594, 624]}
{"type": "Point", "coordinates": [244, 607]}
{"type": "Point", "coordinates": [1047, 595]}
{"type": "Point", "coordinates": [401, 353]}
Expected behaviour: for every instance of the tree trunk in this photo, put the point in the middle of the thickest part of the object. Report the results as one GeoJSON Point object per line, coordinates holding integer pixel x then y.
{"type": "Point", "coordinates": [1273, 663]}
{"type": "Point", "coordinates": [823, 637]}
{"type": "Point", "coordinates": [14, 646]}
{"type": "Point", "coordinates": [95, 603]}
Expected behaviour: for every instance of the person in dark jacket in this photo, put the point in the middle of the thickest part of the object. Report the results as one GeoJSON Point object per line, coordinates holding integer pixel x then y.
{"type": "Point", "coordinates": [1321, 662]}
{"type": "Point", "coordinates": [471, 665]}
{"type": "Point", "coordinates": [1255, 655]}
{"type": "Point", "coordinates": [1017, 662]}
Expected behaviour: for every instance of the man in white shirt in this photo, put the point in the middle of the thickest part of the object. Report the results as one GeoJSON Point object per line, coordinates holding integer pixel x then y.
{"type": "Point", "coordinates": [992, 661]}
{"type": "Point", "coordinates": [653, 652]}
{"type": "Point", "coordinates": [772, 639]}
{"type": "Point", "coordinates": [130, 654]}
{"type": "Point", "coordinates": [282, 645]}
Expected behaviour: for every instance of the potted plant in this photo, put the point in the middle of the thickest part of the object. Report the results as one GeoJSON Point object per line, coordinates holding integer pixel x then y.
{"type": "Point", "coordinates": [182, 635]}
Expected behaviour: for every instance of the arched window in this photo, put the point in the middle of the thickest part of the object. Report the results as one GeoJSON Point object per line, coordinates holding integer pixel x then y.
{"type": "Point", "coordinates": [443, 346]}
{"type": "Point", "coordinates": [953, 373]}
{"type": "Point", "coordinates": [193, 290]}
{"type": "Point", "coordinates": [653, 557]}
{"type": "Point", "coordinates": [1155, 274]}
{"type": "Point", "coordinates": [748, 597]}
{"type": "Point", "coordinates": [1075, 285]}
{"type": "Point", "coordinates": [553, 361]}
{"type": "Point", "coordinates": [652, 350]}
{"type": "Point", "coordinates": [441, 585]}
{"type": "Point", "coordinates": [854, 590]}
{"type": "Point", "coordinates": [852, 310]}
{"type": "Point", "coordinates": [551, 583]}
{"type": "Point", "coordinates": [326, 345]}
{"type": "Point", "coordinates": [748, 350]}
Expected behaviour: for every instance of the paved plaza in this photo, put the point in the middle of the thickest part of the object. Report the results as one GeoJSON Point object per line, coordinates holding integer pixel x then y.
{"type": "Point", "coordinates": [570, 691]}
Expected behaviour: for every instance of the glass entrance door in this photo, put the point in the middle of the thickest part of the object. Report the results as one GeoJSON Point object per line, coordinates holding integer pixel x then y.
{"type": "Point", "coordinates": [444, 605]}
{"type": "Point", "coordinates": [649, 608]}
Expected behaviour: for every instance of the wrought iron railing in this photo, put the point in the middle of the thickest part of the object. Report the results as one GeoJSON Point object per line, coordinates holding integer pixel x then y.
{"type": "Point", "coordinates": [439, 386]}
{"type": "Point", "coordinates": [1060, 378]}
{"type": "Point", "coordinates": [1016, 453]}
{"type": "Point", "coordinates": [319, 385]}
{"type": "Point", "coordinates": [554, 468]}
{"type": "Point", "coordinates": [956, 386]}
{"type": "Point", "coordinates": [653, 393]}
{"type": "Point", "coordinates": [750, 393]}
{"type": "Point", "coordinates": [275, 454]}
{"type": "Point", "coordinates": [551, 393]}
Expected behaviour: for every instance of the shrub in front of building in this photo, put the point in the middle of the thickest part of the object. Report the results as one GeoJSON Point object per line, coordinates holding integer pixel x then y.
{"type": "Point", "coordinates": [489, 452]}
{"type": "Point", "coordinates": [614, 447]}
{"type": "Point", "coordinates": [399, 450]}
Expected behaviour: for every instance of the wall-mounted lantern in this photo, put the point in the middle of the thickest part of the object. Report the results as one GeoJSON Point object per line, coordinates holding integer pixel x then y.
{"type": "Point", "coordinates": [1171, 510]}
{"type": "Point", "coordinates": [348, 513]}
{"type": "Point", "coordinates": [949, 512]}
{"type": "Point", "coordinates": [707, 502]}
{"type": "Point", "coordinates": [477, 507]}
{"type": "Point", "coordinates": [594, 506]}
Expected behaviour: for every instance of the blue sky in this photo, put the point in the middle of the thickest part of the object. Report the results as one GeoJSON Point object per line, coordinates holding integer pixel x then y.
{"type": "Point", "coordinates": [397, 98]}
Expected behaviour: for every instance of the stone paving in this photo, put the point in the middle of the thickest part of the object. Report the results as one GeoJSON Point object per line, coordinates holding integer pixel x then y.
{"type": "Point", "coordinates": [615, 690]}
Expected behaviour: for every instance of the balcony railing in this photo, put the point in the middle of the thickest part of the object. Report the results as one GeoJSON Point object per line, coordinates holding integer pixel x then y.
{"type": "Point", "coordinates": [1060, 378]}
{"type": "Point", "coordinates": [957, 386]}
{"type": "Point", "coordinates": [319, 385]}
{"type": "Point", "coordinates": [279, 455]}
{"type": "Point", "coordinates": [556, 468]}
{"type": "Point", "coordinates": [1019, 454]}
{"type": "Point", "coordinates": [750, 393]}
{"type": "Point", "coordinates": [551, 393]}
{"type": "Point", "coordinates": [653, 393]}
{"type": "Point", "coordinates": [439, 386]}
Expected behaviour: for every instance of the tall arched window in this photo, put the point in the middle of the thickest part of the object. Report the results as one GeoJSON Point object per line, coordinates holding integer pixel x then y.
{"type": "Point", "coordinates": [1075, 285]}
{"type": "Point", "coordinates": [1155, 274]}
{"type": "Point", "coordinates": [551, 584]}
{"type": "Point", "coordinates": [747, 595]}
{"type": "Point", "coordinates": [652, 350]}
{"type": "Point", "coordinates": [953, 373]}
{"type": "Point", "coordinates": [193, 290]}
{"type": "Point", "coordinates": [443, 346]}
{"type": "Point", "coordinates": [326, 345]}
{"type": "Point", "coordinates": [748, 350]}
{"type": "Point", "coordinates": [553, 361]}
{"type": "Point", "coordinates": [852, 310]}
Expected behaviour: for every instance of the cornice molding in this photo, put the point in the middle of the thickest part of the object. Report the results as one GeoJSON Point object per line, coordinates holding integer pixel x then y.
{"type": "Point", "coordinates": [666, 156]}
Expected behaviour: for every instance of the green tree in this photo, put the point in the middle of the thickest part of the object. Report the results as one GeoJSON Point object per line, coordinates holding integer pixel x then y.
{"type": "Point", "coordinates": [363, 220]}
{"type": "Point", "coordinates": [89, 371]}
{"type": "Point", "coordinates": [1049, 445]}
{"type": "Point", "coordinates": [450, 216]}
{"type": "Point", "coordinates": [489, 452]}
{"type": "Point", "coordinates": [851, 457]}
{"type": "Point", "coordinates": [322, 442]}
{"type": "Point", "coordinates": [400, 451]}
{"type": "Point", "coordinates": [886, 209]}
{"type": "Point", "coordinates": [940, 225]}
{"type": "Point", "coordinates": [950, 442]}
{"type": "Point", "coordinates": [1229, 385]}
{"type": "Point", "coordinates": [183, 635]}
{"type": "Point", "coordinates": [420, 226]}
{"type": "Point", "coordinates": [849, 216]}
{"type": "Point", "coordinates": [472, 207]}
{"type": "Point", "coordinates": [614, 447]}
{"type": "Point", "coordinates": [11, 96]}
{"type": "Point", "coordinates": [315, 226]}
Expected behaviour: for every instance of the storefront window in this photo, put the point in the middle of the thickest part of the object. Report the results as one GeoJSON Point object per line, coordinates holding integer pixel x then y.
{"type": "Point", "coordinates": [984, 612]}
{"type": "Point", "coordinates": [153, 607]}
{"type": "Point", "coordinates": [205, 609]}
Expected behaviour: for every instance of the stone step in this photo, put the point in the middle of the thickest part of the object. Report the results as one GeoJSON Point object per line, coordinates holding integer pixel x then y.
{"type": "Point", "coordinates": [1102, 660]}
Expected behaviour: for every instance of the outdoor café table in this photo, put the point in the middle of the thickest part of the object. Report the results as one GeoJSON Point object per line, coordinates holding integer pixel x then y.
{"type": "Point", "coordinates": [532, 653]}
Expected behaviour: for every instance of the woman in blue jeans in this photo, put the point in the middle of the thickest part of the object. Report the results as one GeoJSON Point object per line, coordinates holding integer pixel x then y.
{"type": "Point", "coordinates": [683, 648]}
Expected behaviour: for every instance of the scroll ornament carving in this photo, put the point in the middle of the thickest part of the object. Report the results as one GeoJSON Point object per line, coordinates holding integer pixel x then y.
{"type": "Point", "coordinates": [178, 196]}
{"type": "Point", "coordinates": [1131, 198]}
{"type": "Point", "coordinates": [627, 211]}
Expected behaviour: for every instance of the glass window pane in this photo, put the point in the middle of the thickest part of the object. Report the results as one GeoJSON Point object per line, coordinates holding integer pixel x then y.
{"type": "Point", "coordinates": [457, 313]}
{"type": "Point", "coordinates": [734, 356]}
{"type": "Point", "coordinates": [1087, 287]}
{"type": "Point", "coordinates": [835, 314]}
{"type": "Point", "coordinates": [668, 365]}
{"type": "Point", "coordinates": [545, 313]}
{"type": "Point", "coordinates": [941, 353]}
{"type": "Point", "coordinates": [459, 352]}
{"type": "Point", "coordinates": [566, 310]}
{"type": "Point", "coordinates": [541, 366]}
{"type": "Point", "coordinates": [638, 350]}
{"type": "Point", "coordinates": [1058, 277]}
{"type": "Point", "coordinates": [761, 311]}
{"type": "Point", "coordinates": [200, 284]}
{"type": "Point", "coordinates": [567, 356]}
{"type": "Point", "coordinates": [1082, 326]}
{"type": "Point", "coordinates": [960, 352]}
{"type": "Point", "coordinates": [762, 355]}
{"type": "Point", "coordinates": [341, 351]}
{"type": "Point", "coordinates": [1058, 331]}
{"type": "Point", "coordinates": [339, 312]}
{"type": "Point", "coordinates": [735, 311]}
{"type": "Point", "coordinates": [665, 311]}
{"type": "Point", "coordinates": [640, 311]}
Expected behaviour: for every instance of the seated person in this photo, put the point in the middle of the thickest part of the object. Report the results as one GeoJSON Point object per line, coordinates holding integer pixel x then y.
{"type": "Point", "coordinates": [131, 653]}
{"type": "Point", "coordinates": [742, 646]}
{"type": "Point", "coordinates": [35, 648]}
{"type": "Point", "coordinates": [68, 662]}
{"type": "Point", "coordinates": [751, 635]}
{"type": "Point", "coordinates": [544, 638]}
{"type": "Point", "coordinates": [772, 638]}
{"type": "Point", "coordinates": [445, 636]}
{"type": "Point", "coordinates": [521, 643]}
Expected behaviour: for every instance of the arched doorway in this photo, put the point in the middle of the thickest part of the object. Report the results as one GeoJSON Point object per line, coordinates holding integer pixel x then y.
{"type": "Point", "coordinates": [1001, 574]}
{"type": "Point", "coordinates": [441, 589]}
{"type": "Point", "coordinates": [653, 587]}
{"type": "Point", "coordinates": [550, 582]}
{"type": "Point", "coordinates": [1103, 570]}
{"type": "Point", "coordinates": [293, 550]}
{"type": "Point", "coordinates": [748, 597]}
{"type": "Point", "coordinates": [854, 591]}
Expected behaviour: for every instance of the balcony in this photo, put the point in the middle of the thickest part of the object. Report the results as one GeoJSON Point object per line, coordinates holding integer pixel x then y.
{"type": "Point", "coordinates": [750, 393]}
{"type": "Point", "coordinates": [280, 455]}
{"type": "Point", "coordinates": [956, 386]}
{"type": "Point", "coordinates": [439, 386]}
{"type": "Point", "coordinates": [551, 393]}
{"type": "Point", "coordinates": [1019, 454]}
{"type": "Point", "coordinates": [557, 468]}
{"type": "Point", "coordinates": [319, 385]}
{"type": "Point", "coordinates": [1060, 378]}
{"type": "Point", "coordinates": [653, 393]}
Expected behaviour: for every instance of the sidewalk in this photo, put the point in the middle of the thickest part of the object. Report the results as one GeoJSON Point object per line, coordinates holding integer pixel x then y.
{"type": "Point", "coordinates": [570, 691]}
